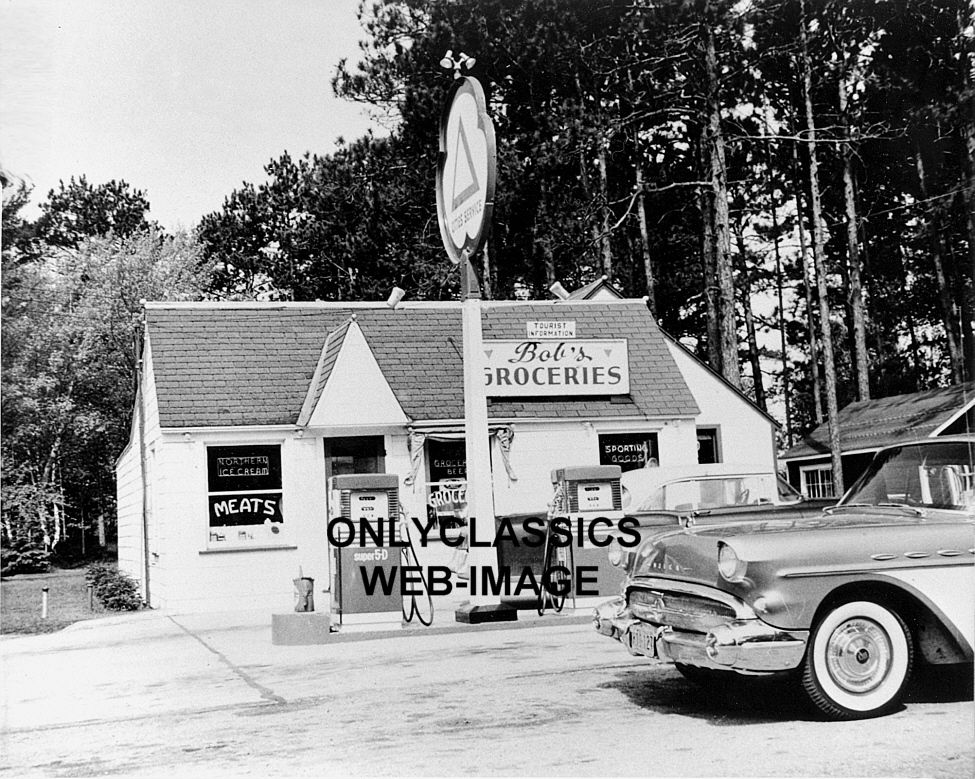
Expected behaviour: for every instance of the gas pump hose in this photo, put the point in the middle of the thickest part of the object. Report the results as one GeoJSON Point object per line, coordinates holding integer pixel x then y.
{"type": "Point", "coordinates": [408, 558]}
{"type": "Point", "coordinates": [555, 556]}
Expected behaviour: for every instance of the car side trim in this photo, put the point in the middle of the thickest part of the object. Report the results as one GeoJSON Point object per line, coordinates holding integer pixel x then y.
{"type": "Point", "coordinates": [877, 567]}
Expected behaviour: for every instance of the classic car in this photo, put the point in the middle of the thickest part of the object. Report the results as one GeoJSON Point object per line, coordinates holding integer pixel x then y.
{"type": "Point", "coordinates": [843, 604]}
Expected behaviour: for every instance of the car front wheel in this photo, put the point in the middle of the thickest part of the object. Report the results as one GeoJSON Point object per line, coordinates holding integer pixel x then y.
{"type": "Point", "coordinates": [858, 661]}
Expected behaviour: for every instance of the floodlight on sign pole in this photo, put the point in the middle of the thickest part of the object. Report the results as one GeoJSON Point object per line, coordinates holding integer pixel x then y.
{"type": "Point", "coordinates": [466, 172]}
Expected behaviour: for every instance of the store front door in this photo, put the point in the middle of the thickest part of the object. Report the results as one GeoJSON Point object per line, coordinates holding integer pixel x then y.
{"type": "Point", "coordinates": [358, 454]}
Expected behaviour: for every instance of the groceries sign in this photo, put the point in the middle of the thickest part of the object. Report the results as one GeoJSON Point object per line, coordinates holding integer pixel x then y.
{"type": "Point", "coordinates": [576, 367]}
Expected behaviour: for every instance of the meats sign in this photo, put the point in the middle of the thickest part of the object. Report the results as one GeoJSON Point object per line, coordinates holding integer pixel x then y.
{"type": "Point", "coordinates": [553, 368]}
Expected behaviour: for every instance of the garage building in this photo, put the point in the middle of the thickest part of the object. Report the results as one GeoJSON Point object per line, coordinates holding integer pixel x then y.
{"type": "Point", "coordinates": [246, 409]}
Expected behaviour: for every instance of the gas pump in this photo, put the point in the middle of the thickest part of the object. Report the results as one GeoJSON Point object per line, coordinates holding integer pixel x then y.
{"type": "Point", "coordinates": [587, 491]}
{"type": "Point", "coordinates": [582, 495]}
{"type": "Point", "coordinates": [370, 501]}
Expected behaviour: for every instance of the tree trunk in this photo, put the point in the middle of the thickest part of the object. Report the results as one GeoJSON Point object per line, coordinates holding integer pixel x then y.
{"type": "Point", "coordinates": [710, 274]}
{"type": "Point", "coordinates": [779, 283]}
{"type": "Point", "coordinates": [587, 193]}
{"type": "Point", "coordinates": [933, 230]}
{"type": "Point", "coordinates": [548, 263]}
{"type": "Point", "coordinates": [880, 375]}
{"type": "Point", "coordinates": [641, 213]}
{"type": "Point", "coordinates": [920, 381]}
{"type": "Point", "coordinates": [808, 281]}
{"type": "Point", "coordinates": [967, 289]}
{"type": "Point", "coordinates": [829, 367]}
{"type": "Point", "coordinates": [548, 259]}
{"type": "Point", "coordinates": [607, 221]}
{"type": "Point", "coordinates": [753, 353]}
{"type": "Point", "coordinates": [717, 175]}
{"type": "Point", "coordinates": [860, 362]}
{"type": "Point", "coordinates": [486, 271]}
{"type": "Point", "coordinates": [641, 210]}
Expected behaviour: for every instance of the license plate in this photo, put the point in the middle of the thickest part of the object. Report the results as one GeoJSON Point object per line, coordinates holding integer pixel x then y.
{"type": "Point", "coordinates": [641, 641]}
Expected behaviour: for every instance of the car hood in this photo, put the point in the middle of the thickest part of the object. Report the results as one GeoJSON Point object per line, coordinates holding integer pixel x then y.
{"type": "Point", "coordinates": [794, 542]}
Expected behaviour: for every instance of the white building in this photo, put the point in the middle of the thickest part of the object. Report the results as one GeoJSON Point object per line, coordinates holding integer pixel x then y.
{"type": "Point", "coordinates": [246, 410]}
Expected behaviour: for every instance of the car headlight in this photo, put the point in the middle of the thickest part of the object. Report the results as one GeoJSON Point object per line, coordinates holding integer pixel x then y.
{"type": "Point", "coordinates": [615, 553]}
{"type": "Point", "coordinates": [730, 566]}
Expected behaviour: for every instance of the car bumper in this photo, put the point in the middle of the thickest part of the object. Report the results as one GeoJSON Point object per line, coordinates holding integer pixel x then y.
{"type": "Point", "coordinates": [745, 645]}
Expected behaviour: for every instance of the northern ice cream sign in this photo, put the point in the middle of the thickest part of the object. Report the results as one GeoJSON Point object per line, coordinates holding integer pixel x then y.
{"type": "Point", "coordinates": [576, 367]}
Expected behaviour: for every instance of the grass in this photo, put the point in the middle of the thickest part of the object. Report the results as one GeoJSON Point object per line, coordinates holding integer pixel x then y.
{"type": "Point", "coordinates": [67, 601]}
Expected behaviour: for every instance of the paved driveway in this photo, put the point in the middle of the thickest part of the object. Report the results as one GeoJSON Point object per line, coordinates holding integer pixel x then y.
{"type": "Point", "coordinates": [153, 695]}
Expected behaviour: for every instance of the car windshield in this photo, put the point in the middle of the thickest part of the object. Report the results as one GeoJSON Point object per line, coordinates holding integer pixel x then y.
{"type": "Point", "coordinates": [694, 494]}
{"type": "Point", "coordinates": [938, 475]}
{"type": "Point", "coordinates": [787, 493]}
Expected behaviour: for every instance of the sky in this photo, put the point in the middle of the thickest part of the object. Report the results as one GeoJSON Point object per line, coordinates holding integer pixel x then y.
{"type": "Point", "coordinates": [182, 99]}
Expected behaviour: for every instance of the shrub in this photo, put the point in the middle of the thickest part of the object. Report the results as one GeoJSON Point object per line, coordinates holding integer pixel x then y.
{"type": "Point", "coordinates": [114, 589]}
{"type": "Point", "coordinates": [23, 556]}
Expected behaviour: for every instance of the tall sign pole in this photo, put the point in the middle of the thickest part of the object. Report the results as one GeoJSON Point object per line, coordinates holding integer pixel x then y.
{"type": "Point", "coordinates": [465, 201]}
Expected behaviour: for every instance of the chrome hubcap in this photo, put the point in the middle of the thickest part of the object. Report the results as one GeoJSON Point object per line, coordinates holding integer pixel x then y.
{"type": "Point", "coordinates": [858, 655]}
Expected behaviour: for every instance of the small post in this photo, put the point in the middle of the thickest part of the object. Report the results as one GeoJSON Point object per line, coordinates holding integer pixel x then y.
{"type": "Point", "coordinates": [91, 598]}
{"type": "Point", "coordinates": [44, 602]}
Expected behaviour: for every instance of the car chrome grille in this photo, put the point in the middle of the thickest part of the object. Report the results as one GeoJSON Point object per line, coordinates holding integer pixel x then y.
{"type": "Point", "coordinates": [679, 610]}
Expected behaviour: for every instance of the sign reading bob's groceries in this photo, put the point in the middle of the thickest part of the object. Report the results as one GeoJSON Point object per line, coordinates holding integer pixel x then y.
{"type": "Point", "coordinates": [244, 486]}
{"type": "Point", "coordinates": [543, 367]}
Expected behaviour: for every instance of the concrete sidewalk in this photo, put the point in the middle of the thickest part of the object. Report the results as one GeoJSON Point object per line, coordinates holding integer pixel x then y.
{"type": "Point", "coordinates": [115, 668]}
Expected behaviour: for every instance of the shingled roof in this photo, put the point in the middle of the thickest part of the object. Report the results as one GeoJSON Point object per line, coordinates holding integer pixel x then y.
{"type": "Point", "coordinates": [589, 291]}
{"type": "Point", "coordinates": [873, 424]}
{"type": "Point", "coordinates": [226, 364]}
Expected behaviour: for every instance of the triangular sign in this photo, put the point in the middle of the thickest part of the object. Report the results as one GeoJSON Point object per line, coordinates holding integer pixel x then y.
{"type": "Point", "coordinates": [465, 178]}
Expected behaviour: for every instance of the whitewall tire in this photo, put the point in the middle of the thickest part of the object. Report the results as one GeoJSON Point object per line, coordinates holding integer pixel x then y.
{"type": "Point", "coordinates": [858, 661]}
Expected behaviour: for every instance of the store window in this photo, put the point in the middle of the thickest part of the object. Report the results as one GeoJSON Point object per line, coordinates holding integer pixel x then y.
{"type": "Point", "coordinates": [448, 460]}
{"type": "Point", "coordinates": [708, 450]}
{"type": "Point", "coordinates": [447, 487]}
{"type": "Point", "coordinates": [629, 451]}
{"type": "Point", "coordinates": [816, 481]}
{"type": "Point", "coordinates": [244, 496]}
